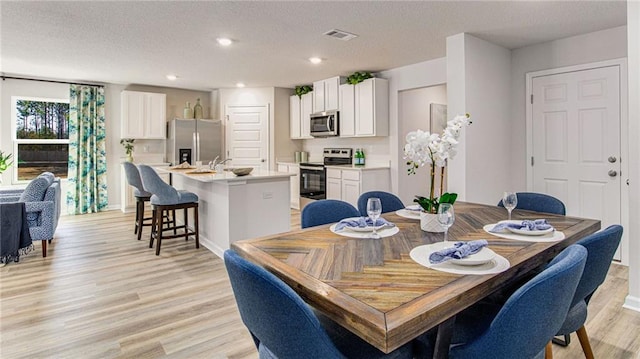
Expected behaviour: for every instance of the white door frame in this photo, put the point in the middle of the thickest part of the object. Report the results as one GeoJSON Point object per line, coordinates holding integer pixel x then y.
{"type": "Point", "coordinates": [624, 134]}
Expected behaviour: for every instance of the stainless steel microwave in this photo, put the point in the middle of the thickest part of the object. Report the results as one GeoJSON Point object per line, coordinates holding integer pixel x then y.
{"type": "Point", "coordinates": [324, 124]}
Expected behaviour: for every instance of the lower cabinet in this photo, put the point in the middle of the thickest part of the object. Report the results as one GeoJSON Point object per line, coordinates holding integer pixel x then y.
{"type": "Point", "coordinates": [348, 184]}
{"type": "Point", "coordinates": [294, 185]}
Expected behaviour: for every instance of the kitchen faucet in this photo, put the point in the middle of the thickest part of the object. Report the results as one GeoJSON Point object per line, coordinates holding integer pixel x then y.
{"type": "Point", "coordinates": [213, 164]}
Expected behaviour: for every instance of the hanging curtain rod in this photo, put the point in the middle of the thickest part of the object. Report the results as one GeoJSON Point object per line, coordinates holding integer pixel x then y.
{"type": "Point", "coordinates": [51, 81]}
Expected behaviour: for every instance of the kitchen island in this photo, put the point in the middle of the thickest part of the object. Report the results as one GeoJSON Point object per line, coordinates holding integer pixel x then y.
{"type": "Point", "coordinates": [236, 207]}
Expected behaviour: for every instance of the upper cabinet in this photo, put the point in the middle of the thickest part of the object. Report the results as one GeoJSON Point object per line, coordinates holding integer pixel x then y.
{"type": "Point", "coordinates": [300, 110]}
{"type": "Point", "coordinates": [364, 108]}
{"type": "Point", "coordinates": [143, 115]}
{"type": "Point", "coordinates": [326, 94]}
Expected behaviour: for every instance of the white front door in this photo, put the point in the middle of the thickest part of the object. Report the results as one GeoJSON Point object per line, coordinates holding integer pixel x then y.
{"type": "Point", "coordinates": [248, 136]}
{"type": "Point", "coordinates": [576, 141]}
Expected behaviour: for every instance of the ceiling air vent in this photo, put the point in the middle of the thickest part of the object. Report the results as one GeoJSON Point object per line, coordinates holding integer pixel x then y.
{"type": "Point", "coordinates": [340, 35]}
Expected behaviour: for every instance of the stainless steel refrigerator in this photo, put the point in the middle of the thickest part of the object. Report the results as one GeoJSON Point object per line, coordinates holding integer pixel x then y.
{"type": "Point", "coordinates": [193, 140]}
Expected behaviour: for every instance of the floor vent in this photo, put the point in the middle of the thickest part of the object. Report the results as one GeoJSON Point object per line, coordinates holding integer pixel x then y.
{"type": "Point", "coordinates": [340, 35]}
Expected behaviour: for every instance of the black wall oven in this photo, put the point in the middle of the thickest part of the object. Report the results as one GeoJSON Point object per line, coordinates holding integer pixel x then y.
{"type": "Point", "coordinates": [313, 175]}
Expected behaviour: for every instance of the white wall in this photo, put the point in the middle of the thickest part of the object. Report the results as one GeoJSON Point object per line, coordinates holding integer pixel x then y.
{"type": "Point", "coordinates": [633, 22]}
{"type": "Point", "coordinates": [592, 47]}
{"type": "Point", "coordinates": [413, 114]}
{"type": "Point", "coordinates": [479, 83]}
{"type": "Point", "coordinates": [424, 74]}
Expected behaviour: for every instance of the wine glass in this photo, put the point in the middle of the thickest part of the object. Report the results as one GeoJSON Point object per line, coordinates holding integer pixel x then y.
{"type": "Point", "coordinates": [374, 209]}
{"type": "Point", "coordinates": [446, 216]}
{"type": "Point", "coordinates": [509, 201]}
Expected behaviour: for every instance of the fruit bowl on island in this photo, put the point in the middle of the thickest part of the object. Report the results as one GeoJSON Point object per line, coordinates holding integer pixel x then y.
{"type": "Point", "coordinates": [242, 171]}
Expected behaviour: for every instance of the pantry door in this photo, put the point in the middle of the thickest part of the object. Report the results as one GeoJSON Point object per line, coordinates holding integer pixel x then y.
{"type": "Point", "coordinates": [576, 138]}
{"type": "Point", "coordinates": [247, 129]}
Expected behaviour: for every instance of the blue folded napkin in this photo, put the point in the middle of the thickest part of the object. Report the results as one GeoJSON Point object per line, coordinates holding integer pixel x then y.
{"type": "Point", "coordinates": [361, 222]}
{"type": "Point", "coordinates": [526, 225]}
{"type": "Point", "coordinates": [458, 251]}
{"type": "Point", "coordinates": [415, 208]}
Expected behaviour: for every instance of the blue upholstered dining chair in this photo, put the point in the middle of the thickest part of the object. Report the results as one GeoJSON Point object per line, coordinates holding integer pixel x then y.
{"type": "Point", "coordinates": [326, 211]}
{"type": "Point", "coordinates": [524, 325]}
{"type": "Point", "coordinates": [539, 202]}
{"type": "Point", "coordinates": [167, 199]}
{"type": "Point", "coordinates": [390, 202]}
{"type": "Point", "coordinates": [601, 247]}
{"type": "Point", "coordinates": [283, 326]}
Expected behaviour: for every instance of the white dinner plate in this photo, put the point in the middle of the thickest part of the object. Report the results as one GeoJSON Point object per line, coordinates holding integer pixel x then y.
{"type": "Point", "coordinates": [412, 212]}
{"type": "Point", "coordinates": [483, 256]}
{"type": "Point", "coordinates": [365, 229]}
{"type": "Point", "coordinates": [526, 232]}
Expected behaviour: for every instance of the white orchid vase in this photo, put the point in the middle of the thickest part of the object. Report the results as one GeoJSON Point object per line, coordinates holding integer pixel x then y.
{"type": "Point", "coordinates": [435, 150]}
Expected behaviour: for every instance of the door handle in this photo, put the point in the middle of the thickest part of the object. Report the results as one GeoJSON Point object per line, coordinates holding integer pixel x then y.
{"type": "Point", "coordinates": [612, 159]}
{"type": "Point", "coordinates": [262, 160]}
{"type": "Point", "coordinates": [613, 173]}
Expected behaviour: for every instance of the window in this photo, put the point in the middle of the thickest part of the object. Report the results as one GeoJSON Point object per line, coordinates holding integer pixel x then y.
{"type": "Point", "coordinates": [41, 141]}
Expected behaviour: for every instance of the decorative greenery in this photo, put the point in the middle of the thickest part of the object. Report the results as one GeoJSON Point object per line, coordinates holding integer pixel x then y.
{"type": "Point", "coordinates": [304, 89]}
{"type": "Point", "coordinates": [424, 148]}
{"type": "Point", "coordinates": [127, 143]}
{"type": "Point", "coordinates": [5, 161]}
{"type": "Point", "coordinates": [358, 77]}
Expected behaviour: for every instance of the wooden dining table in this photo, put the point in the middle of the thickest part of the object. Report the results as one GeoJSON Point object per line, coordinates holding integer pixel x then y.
{"type": "Point", "coordinates": [373, 288]}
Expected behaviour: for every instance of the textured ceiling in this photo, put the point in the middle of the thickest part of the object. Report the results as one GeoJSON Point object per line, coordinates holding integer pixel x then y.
{"type": "Point", "coordinates": [142, 41]}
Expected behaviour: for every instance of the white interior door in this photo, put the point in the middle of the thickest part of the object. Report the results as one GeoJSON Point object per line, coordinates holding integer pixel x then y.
{"type": "Point", "coordinates": [576, 141]}
{"type": "Point", "coordinates": [248, 136]}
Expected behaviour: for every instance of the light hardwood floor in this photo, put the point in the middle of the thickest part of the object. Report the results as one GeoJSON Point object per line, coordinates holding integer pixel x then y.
{"type": "Point", "coordinates": [100, 293]}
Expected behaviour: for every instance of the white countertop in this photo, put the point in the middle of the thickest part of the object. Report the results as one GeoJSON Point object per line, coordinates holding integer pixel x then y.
{"type": "Point", "coordinates": [366, 167]}
{"type": "Point", "coordinates": [373, 166]}
{"type": "Point", "coordinates": [226, 176]}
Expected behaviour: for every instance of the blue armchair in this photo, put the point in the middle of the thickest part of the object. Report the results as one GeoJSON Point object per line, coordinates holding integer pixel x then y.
{"type": "Point", "coordinates": [42, 201]}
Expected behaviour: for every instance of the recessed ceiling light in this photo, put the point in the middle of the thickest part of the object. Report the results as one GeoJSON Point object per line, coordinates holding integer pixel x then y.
{"type": "Point", "coordinates": [224, 41]}
{"type": "Point", "coordinates": [239, 84]}
{"type": "Point", "coordinates": [172, 77]}
{"type": "Point", "coordinates": [315, 60]}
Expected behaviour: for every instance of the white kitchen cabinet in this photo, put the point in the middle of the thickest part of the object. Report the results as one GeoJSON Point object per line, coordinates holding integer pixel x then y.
{"type": "Point", "coordinates": [364, 108]}
{"type": "Point", "coordinates": [300, 109]}
{"type": "Point", "coordinates": [326, 94]}
{"type": "Point", "coordinates": [348, 184]}
{"type": "Point", "coordinates": [294, 185]}
{"type": "Point", "coordinates": [143, 115]}
{"type": "Point", "coordinates": [306, 109]}
{"type": "Point", "coordinates": [294, 118]}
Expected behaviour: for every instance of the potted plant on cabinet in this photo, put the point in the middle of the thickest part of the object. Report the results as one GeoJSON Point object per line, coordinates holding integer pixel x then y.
{"type": "Point", "coordinates": [127, 143]}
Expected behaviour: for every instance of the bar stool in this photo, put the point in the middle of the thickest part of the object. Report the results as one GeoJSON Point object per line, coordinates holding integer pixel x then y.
{"type": "Point", "coordinates": [166, 198]}
{"type": "Point", "coordinates": [133, 178]}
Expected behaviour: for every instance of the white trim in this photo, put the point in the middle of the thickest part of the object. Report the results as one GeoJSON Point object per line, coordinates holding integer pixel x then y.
{"type": "Point", "coordinates": [624, 134]}
{"type": "Point", "coordinates": [632, 303]}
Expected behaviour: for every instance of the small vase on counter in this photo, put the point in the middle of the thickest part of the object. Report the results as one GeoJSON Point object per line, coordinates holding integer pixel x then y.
{"type": "Point", "coordinates": [188, 112]}
{"type": "Point", "coordinates": [197, 110]}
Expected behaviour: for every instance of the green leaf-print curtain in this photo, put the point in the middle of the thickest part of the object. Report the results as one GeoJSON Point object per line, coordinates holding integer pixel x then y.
{"type": "Point", "coordinates": [87, 176]}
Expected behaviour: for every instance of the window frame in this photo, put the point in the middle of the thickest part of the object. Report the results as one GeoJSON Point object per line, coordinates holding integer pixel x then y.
{"type": "Point", "coordinates": [14, 135]}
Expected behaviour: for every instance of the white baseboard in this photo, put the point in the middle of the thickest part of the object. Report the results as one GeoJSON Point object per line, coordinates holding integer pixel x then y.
{"type": "Point", "coordinates": [205, 242]}
{"type": "Point", "coordinates": [632, 303]}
